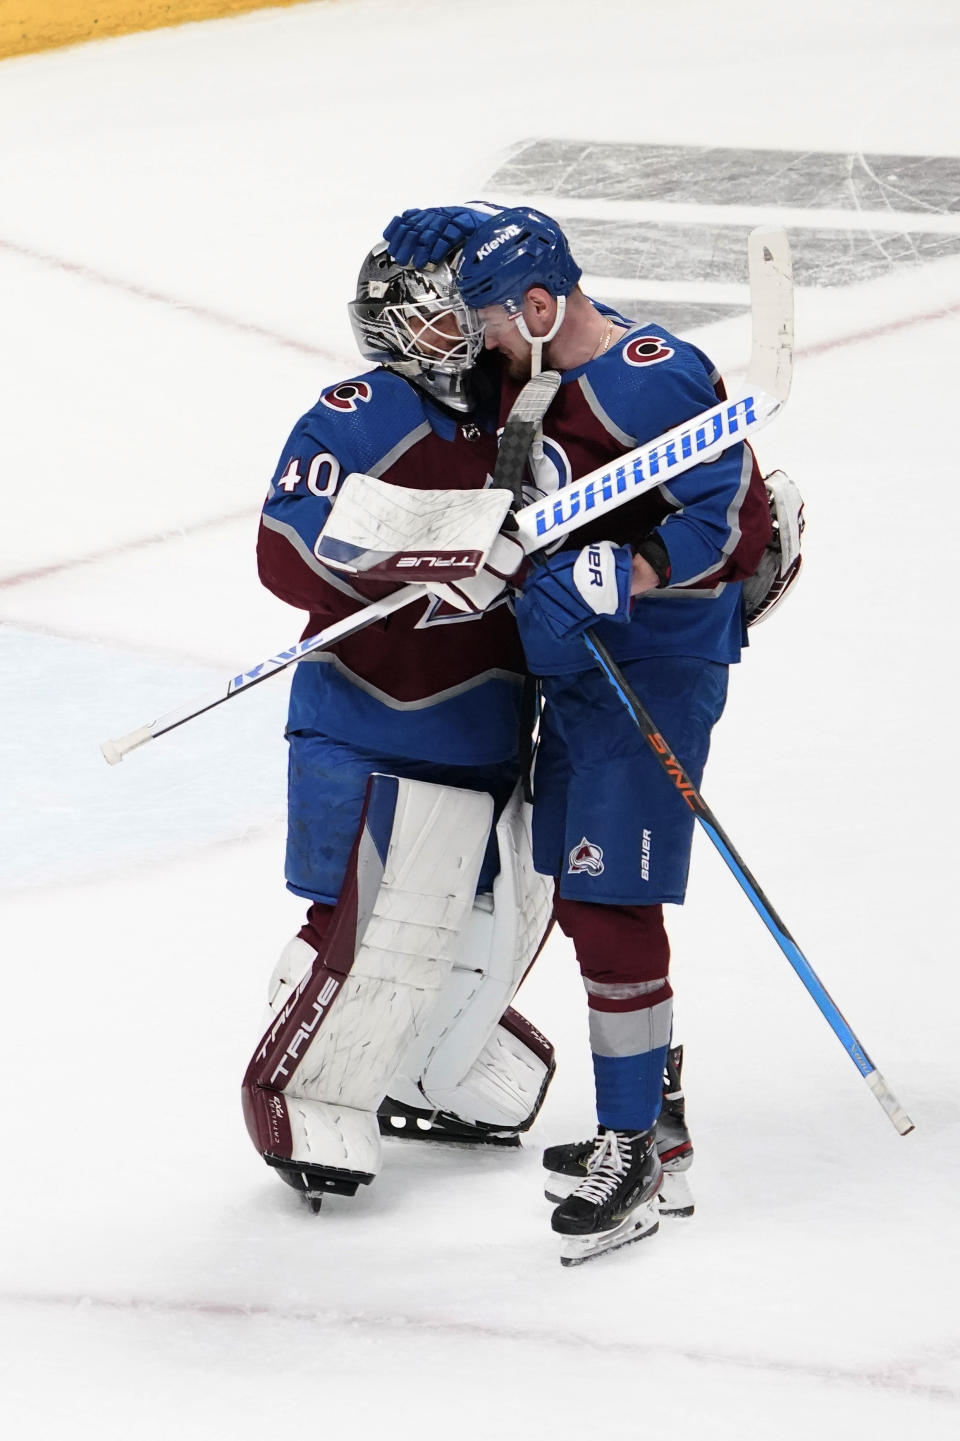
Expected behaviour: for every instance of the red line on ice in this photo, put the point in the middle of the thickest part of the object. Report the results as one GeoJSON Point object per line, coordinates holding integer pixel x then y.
{"type": "Point", "coordinates": [40, 572]}
{"type": "Point", "coordinates": [876, 332]}
{"type": "Point", "coordinates": [893, 1378]}
{"type": "Point", "coordinates": [157, 297]}
{"type": "Point", "coordinates": [201, 312]}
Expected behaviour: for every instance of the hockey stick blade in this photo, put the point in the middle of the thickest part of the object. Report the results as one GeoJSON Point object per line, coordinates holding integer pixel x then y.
{"type": "Point", "coordinates": [771, 312]}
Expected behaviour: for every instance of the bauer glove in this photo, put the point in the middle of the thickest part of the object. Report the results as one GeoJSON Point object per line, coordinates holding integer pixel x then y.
{"type": "Point", "coordinates": [574, 589]}
{"type": "Point", "coordinates": [424, 237]}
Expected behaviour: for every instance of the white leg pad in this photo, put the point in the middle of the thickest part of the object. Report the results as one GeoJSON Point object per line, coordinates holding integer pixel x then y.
{"type": "Point", "coordinates": [328, 1135]}
{"type": "Point", "coordinates": [503, 1086]}
{"type": "Point", "coordinates": [340, 1032]}
{"type": "Point", "coordinates": [296, 958]}
{"type": "Point", "coordinates": [465, 1061]}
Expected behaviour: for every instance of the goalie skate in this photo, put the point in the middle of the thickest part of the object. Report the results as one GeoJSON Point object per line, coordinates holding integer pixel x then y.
{"type": "Point", "coordinates": [315, 1182]}
{"type": "Point", "coordinates": [568, 1164]}
{"type": "Point", "coordinates": [616, 1203]}
{"type": "Point", "coordinates": [405, 1122]}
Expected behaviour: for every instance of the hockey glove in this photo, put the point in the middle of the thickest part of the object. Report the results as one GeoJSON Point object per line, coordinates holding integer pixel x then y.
{"type": "Point", "coordinates": [424, 237]}
{"type": "Point", "coordinates": [574, 589]}
{"type": "Point", "coordinates": [504, 562]}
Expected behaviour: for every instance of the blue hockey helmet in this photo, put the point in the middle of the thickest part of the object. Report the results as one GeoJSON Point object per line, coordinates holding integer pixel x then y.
{"type": "Point", "coordinates": [509, 254]}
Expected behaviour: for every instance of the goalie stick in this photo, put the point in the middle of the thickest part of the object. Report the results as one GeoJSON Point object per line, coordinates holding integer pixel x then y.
{"type": "Point", "coordinates": [518, 435]}
{"type": "Point", "coordinates": [701, 439]}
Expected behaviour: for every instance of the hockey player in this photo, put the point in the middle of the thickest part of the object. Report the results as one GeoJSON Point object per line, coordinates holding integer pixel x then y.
{"type": "Point", "coordinates": [403, 749]}
{"type": "Point", "coordinates": [661, 580]}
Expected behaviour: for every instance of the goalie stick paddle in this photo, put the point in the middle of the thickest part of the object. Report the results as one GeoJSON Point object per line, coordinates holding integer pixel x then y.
{"type": "Point", "coordinates": [748, 883]}
{"type": "Point", "coordinates": [520, 431]}
{"type": "Point", "coordinates": [700, 439]}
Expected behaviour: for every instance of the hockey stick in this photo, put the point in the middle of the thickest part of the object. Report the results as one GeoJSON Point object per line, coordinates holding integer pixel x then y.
{"type": "Point", "coordinates": [748, 883]}
{"type": "Point", "coordinates": [769, 376]}
{"type": "Point", "coordinates": [703, 438]}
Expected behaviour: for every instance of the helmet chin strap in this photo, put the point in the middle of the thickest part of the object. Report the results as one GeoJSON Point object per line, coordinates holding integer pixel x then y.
{"type": "Point", "coordinates": [536, 344]}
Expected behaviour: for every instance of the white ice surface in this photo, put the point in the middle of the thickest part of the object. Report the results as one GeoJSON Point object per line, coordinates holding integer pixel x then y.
{"type": "Point", "coordinates": [182, 217]}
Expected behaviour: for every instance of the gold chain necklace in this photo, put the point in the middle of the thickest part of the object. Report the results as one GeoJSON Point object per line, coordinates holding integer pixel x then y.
{"type": "Point", "coordinates": [605, 339]}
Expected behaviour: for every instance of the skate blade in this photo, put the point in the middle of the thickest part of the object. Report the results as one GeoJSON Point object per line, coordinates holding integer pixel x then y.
{"type": "Point", "coordinates": [676, 1198]}
{"type": "Point", "coordinates": [642, 1222]}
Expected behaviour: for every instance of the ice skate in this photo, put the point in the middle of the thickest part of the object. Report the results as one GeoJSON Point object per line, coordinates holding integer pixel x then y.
{"type": "Point", "coordinates": [616, 1202]}
{"type": "Point", "coordinates": [568, 1164]}
{"type": "Point", "coordinates": [674, 1146]}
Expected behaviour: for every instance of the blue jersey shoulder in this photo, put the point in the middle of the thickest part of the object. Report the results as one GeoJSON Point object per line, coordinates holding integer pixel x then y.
{"type": "Point", "coordinates": [355, 425]}
{"type": "Point", "coordinates": [650, 381]}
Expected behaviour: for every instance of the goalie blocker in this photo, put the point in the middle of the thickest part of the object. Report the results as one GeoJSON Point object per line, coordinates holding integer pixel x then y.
{"type": "Point", "coordinates": [411, 995]}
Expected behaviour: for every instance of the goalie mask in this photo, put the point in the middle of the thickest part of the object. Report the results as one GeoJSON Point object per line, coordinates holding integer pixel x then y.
{"type": "Point", "coordinates": [415, 323]}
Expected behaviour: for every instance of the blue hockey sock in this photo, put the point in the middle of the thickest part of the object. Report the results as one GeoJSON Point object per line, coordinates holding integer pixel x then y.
{"type": "Point", "coordinates": [629, 1089]}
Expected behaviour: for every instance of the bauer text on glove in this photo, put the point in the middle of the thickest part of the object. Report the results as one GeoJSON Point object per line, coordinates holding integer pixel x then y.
{"type": "Point", "coordinates": [574, 589]}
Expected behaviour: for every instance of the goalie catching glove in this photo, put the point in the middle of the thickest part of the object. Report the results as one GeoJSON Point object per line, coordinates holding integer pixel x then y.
{"type": "Point", "coordinates": [504, 563]}
{"type": "Point", "coordinates": [449, 541]}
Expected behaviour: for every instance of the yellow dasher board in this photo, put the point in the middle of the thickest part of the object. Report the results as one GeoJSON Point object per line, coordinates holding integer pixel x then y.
{"type": "Point", "coordinates": [30, 25]}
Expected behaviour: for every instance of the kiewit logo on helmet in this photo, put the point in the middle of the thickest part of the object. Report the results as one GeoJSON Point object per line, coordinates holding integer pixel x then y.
{"type": "Point", "coordinates": [586, 857]}
{"type": "Point", "coordinates": [490, 246]}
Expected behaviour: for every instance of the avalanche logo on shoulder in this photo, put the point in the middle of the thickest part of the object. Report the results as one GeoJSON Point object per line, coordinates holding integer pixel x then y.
{"type": "Point", "coordinates": [345, 397]}
{"type": "Point", "coordinates": [647, 350]}
{"type": "Point", "coordinates": [585, 858]}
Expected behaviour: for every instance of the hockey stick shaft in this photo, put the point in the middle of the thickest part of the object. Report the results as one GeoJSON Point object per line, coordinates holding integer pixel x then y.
{"type": "Point", "coordinates": [648, 466]}
{"type": "Point", "coordinates": [115, 750]}
{"type": "Point", "coordinates": [748, 883]}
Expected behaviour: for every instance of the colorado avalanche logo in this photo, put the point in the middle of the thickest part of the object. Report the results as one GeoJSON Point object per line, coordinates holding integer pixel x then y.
{"type": "Point", "coordinates": [585, 857]}
{"type": "Point", "coordinates": [647, 350]}
{"type": "Point", "coordinates": [346, 396]}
